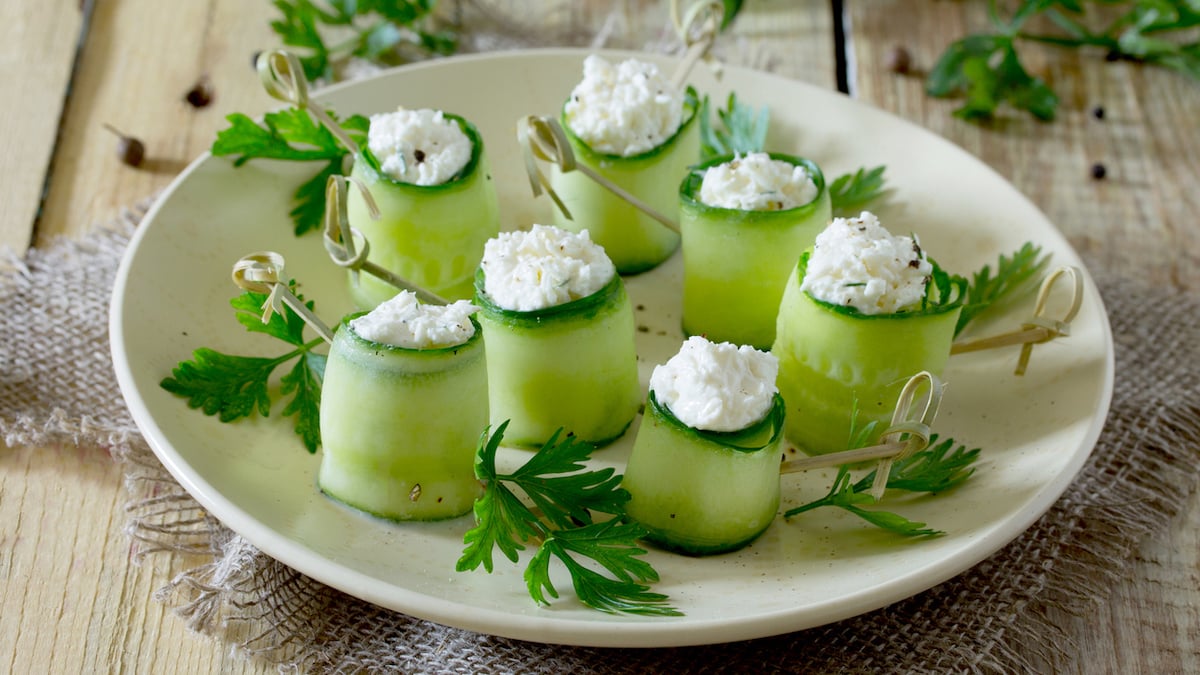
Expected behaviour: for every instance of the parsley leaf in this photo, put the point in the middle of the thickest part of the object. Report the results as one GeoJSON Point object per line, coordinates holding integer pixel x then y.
{"type": "Point", "coordinates": [292, 134]}
{"type": "Point", "coordinates": [1014, 274]}
{"type": "Point", "coordinates": [986, 71]}
{"type": "Point", "coordinates": [232, 387]}
{"type": "Point", "coordinates": [851, 191]}
{"type": "Point", "coordinates": [388, 32]}
{"type": "Point", "coordinates": [565, 493]}
{"type": "Point", "coordinates": [742, 129]}
{"type": "Point", "coordinates": [937, 468]}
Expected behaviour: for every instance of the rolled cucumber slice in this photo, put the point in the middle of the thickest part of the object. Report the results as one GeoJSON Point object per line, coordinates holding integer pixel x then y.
{"type": "Point", "coordinates": [399, 427]}
{"type": "Point", "coordinates": [835, 362]}
{"type": "Point", "coordinates": [572, 366]}
{"type": "Point", "coordinates": [736, 263]}
{"type": "Point", "coordinates": [634, 241]}
{"type": "Point", "coordinates": [703, 492]}
{"type": "Point", "coordinates": [432, 235]}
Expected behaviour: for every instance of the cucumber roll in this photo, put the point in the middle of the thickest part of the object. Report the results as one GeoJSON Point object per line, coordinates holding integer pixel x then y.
{"type": "Point", "coordinates": [745, 221]}
{"type": "Point", "coordinates": [629, 124]}
{"type": "Point", "coordinates": [428, 173]}
{"type": "Point", "coordinates": [560, 338]}
{"type": "Point", "coordinates": [862, 312]}
{"type": "Point", "coordinates": [402, 406]}
{"type": "Point", "coordinates": [703, 476]}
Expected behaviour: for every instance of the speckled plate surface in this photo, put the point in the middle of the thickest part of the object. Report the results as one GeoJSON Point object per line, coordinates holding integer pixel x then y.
{"type": "Point", "coordinates": [172, 295]}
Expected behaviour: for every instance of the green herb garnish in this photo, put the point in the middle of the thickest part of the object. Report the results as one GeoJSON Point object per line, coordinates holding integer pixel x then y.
{"type": "Point", "coordinates": [565, 495]}
{"type": "Point", "coordinates": [934, 469]}
{"type": "Point", "coordinates": [378, 31]}
{"type": "Point", "coordinates": [291, 134]}
{"type": "Point", "coordinates": [850, 191]}
{"type": "Point", "coordinates": [232, 387]}
{"type": "Point", "coordinates": [985, 70]}
{"type": "Point", "coordinates": [1013, 275]}
{"type": "Point", "coordinates": [741, 129]}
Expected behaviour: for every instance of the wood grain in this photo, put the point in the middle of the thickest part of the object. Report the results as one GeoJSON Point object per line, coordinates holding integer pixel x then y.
{"type": "Point", "coordinates": [37, 50]}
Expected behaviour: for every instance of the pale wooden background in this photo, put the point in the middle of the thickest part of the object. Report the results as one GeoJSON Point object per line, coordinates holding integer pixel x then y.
{"type": "Point", "coordinates": [71, 601]}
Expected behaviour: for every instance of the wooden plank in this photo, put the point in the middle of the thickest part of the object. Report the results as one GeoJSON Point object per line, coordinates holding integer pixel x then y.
{"type": "Point", "coordinates": [37, 50]}
{"type": "Point", "coordinates": [140, 59]}
{"type": "Point", "coordinates": [1135, 219]}
{"type": "Point", "coordinates": [1138, 220]}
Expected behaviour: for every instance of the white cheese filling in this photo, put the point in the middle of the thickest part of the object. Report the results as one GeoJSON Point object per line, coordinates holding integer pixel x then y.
{"type": "Point", "coordinates": [858, 263]}
{"type": "Point", "coordinates": [716, 386]}
{"type": "Point", "coordinates": [756, 182]}
{"type": "Point", "coordinates": [544, 267]}
{"type": "Point", "coordinates": [404, 322]}
{"type": "Point", "coordinates": [625, 109]}
{"type": "Point", "coordinates": [421, 147]}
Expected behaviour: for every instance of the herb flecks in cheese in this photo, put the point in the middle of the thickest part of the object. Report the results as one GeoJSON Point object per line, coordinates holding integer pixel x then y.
{"type": "Point", "coordinates": [626, 109]}
{"type": "Point", "coordinates": [716, 386]}
{"type": "Point", "coordinates": [856, 262]}
{"type": "Point", "coordinates": [421, 147]}
{"type": "Point", "coordinates": [404, 322]}
{"type": "Point", "coordinates": [544, 267]}
{"type": "Point", "coordinates": [756, 182]}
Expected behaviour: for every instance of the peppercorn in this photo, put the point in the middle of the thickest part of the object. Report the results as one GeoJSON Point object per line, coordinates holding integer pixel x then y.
{"type": "Point", "coordinates": [898, 60]}
{"type": "Point", "coordinates": [1098, 112]}
{"type": "Point", "coordinates": [130, 150]}
{"type": "Point", "coordinates": [201, 94]}
{"type": "Point", "coordinates": [1099, 171]}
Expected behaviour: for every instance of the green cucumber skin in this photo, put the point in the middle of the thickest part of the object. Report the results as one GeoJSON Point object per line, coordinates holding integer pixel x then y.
{"type": "Point", "coordinates": [391, 419]}
{"type": "Point", "coordinates": [576, 371]}
{"type": "Point", "coordinates": [736, 265]}
{"type": "Point", "coordinates": [696, 496]}
{"type": "Point", "coordinates": [432, 238]}
{"type": "Point", "coordinates": [831, 362]}
{"type": "Point", "coordinates": [634, 241]}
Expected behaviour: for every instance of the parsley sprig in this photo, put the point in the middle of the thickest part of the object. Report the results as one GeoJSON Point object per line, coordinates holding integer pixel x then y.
{"type": "Point", "coordinates": [564, 495]}
{"type": "Point", "coordinates": [937, 468]}
{"type": "Point", "coordinates": [1014, 273]}
{"type": "Point", "coordinates": [985, 70]}
{"type": "Point", "coordinates": [232, 387]}
{"type": "Point", "coordinates": [292, 134]}
{"type": "Point", "coordinates": [852, 191]}
{"type": "Point", "coordinates": [739, 129]}
{"type": "Point", "coordinates": [379, 31]}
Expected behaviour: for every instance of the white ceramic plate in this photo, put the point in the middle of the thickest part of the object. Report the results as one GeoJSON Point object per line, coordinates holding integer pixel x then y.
{"type": "Point", "coordinates": [172, 296]}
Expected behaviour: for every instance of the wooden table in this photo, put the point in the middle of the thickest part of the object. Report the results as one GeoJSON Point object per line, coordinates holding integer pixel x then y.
{"type": "Point", "coordinates": [71, 600]}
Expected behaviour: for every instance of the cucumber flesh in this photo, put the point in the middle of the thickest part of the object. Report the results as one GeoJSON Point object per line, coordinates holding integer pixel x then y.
{"type": "Point", "coordinates": [572, 366]}
{"type": "Point", "coordinates": [696, 494]}
{"type": "Point", "coordinates": [736, 263]}
{"type": "Point", "coordinates": [433, 236]}
{"type": "Point", "coordinates": [399, 427]}
{"type": "Point", "coordinates": [832, 363]}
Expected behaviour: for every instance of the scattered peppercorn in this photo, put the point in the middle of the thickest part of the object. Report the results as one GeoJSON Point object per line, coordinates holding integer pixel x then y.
{"type": "Point", "coordinates": [201, 94]}
{"type": "Point", "coordinates": [130, 150]}
{"type": "Point", "coordinates": [1098, 112]}
{"type": "Point", "coordinates": [1099, 171]}
{"type": "Point", "coordinates": [898, 60]}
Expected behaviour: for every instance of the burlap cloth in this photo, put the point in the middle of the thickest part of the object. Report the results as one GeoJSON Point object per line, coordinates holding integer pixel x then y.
{"type": "Point", "coordinates": [57, 387]}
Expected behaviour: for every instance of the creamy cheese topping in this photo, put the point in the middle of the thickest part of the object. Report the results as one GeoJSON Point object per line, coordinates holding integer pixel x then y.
{"type": "Point", "coordinates": [858, 263]}
{"type": "Point", "coordinates": [756, 182]}
{"type": "Point", "coordinates": [403, 322]}
{"type": "Point", "coordinates": [544, 267]}
{"type": "Point", "coordinates": [625, 109]}
{"type": "Point", "coordinates": [421, 147]}
{"type": "Point", "coordinates": [716, 386]}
